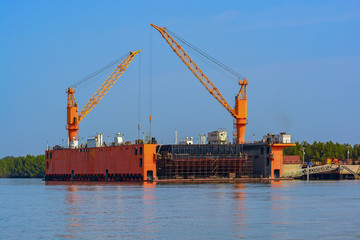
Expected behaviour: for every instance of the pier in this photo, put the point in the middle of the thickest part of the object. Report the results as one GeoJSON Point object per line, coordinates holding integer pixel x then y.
{"type": "Point", "coordinates": [338, 169]}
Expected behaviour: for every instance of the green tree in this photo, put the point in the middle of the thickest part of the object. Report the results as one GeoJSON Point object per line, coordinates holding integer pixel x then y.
{"type": "Point", "coordinates": [319, 151]}
{"type": "Point", "coordinates": [23, 167]}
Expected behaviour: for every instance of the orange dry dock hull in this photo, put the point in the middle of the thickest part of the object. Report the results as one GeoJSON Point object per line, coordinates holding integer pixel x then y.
{"type": "Point", "coordinates": [114, 163]}
{"type": "Point", "coordinates": [277, 161]}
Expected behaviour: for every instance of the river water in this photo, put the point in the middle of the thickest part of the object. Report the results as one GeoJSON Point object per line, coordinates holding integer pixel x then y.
{"type": "Point", "coordinates": [33, 209]}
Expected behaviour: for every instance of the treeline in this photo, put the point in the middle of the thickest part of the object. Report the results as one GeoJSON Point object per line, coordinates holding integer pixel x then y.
{"type": "Point", "coordinates": [22, 167]}
{"type": "Point", "coordinates": [319, 151]}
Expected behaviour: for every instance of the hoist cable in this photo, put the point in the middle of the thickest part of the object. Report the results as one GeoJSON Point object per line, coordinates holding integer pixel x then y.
{"type": "Point", "coordinates": [101, 70]}
{"type": "Point", "coordinates": [205, 54]}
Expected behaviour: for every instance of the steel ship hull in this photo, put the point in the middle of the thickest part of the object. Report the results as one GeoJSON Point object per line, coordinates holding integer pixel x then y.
{"type": "Point", "coordinates": [136, 162]}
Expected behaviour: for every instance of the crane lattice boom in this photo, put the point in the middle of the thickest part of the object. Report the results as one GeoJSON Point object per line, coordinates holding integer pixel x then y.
{"type": "Point", "coordinates": [105, 87]}
{"type": "Point", "coordinates": [73, 118]}
{"type": "Point", "coordinates": [199, 74]}
{"type": "Point", "coordinates": [240, 110]}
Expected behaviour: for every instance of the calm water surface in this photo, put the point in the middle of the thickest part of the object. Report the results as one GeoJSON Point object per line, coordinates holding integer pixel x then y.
{"type": "Point", "coordinates": [32, 209]}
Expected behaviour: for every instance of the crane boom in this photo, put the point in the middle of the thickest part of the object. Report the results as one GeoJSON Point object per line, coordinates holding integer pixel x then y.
{"type": "Point", "coordinates": [73, 118]}
{"type": "Point", "coordinates": [199, 74]}
{"type": "Point", "coordinates": [105, 87]}
{"type": "Point", "coordinates": [240, 110]}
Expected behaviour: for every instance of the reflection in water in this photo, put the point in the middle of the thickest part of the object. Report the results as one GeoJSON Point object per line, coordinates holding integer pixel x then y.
{"type": "Point", "coordinates": [108, 208]}
{"type": "Point", "coordinates": [276, 196]}
{"type": "Point", "coordinates": [72, 200]}
{"type": "Point", "coordinates": [240, 215]}
{"type": "Point", "coordinates": [149, 193]}
{"type": "Point", "coordinates": [279, 209]}
{"type": "Point", "coordinates": [276, 183]}
{"type": "Point", "coordinates": [282, 210]}
{"type": "Point", "coordinates": [149, 226]}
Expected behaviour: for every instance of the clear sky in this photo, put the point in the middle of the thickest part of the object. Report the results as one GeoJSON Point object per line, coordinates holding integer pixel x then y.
{"type": "Point", "coordinates": [301, 58]}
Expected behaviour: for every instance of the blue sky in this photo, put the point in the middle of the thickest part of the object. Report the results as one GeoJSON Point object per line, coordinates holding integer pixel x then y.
{"type": "Point", "coordinates": [301, 58]}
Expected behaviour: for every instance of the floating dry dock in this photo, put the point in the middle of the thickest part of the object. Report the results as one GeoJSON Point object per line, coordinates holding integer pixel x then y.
{"type": "Point", "coordinates": [140, 161]}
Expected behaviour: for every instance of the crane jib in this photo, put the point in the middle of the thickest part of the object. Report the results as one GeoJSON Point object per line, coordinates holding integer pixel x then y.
{"type": "Point", "coordinates": [73, 117]}
{"type": "Point", "coordinates": [240, 110]}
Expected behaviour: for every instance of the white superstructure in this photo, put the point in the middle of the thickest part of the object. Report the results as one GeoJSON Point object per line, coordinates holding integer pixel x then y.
{"type": "Point", "coordinates": [277, 138]}
{"type": "Point", "coordinates": [118, 139]}
{"type": "Point", "coordinates": [95, 141]}
{"type": "Point", "coordinates": [74, 143]}
{"type": "Point", "coordinates": [217, 137]}
{"type": "Point", "coordinates": [186, 141]}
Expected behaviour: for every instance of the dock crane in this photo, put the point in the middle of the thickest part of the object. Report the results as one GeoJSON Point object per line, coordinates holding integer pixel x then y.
{"type": "Point", "coordinates": [73, 117]}
{"type": "Point", "coordinates": [240, 110]}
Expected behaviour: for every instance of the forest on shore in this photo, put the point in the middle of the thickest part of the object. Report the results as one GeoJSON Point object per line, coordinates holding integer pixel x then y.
{"type": "Point", "coordinates": [319, 151]}
{"type": "Point", "coordinates": [22, 167]}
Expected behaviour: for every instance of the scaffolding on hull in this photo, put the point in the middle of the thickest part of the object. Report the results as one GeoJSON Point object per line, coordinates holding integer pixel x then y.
{"type": "Point", "coordinates": [170, 166]}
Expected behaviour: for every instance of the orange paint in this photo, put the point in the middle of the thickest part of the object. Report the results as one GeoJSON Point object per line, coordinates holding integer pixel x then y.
{"type": "Point", "coordinates": [102, 161]}
{"type": "Point", "coordinates": [277, 158]}
{"type": "Point", "coordinates": [72, 115]}
{"type": "Point", "coordinates": [240, 111]}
